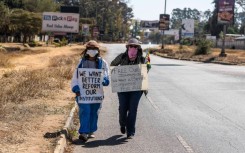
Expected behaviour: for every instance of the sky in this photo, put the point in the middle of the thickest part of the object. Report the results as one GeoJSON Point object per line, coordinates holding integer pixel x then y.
{"type": "Point", "coordinates": [151, 9]}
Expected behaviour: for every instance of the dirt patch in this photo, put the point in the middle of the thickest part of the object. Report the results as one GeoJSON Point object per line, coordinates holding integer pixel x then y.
{"type": "Point", "coordinates": [35, 97]}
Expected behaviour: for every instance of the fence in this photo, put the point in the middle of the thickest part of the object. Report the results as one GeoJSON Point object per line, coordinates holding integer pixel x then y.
{"type": "Point", "coordinates": [240, 44]}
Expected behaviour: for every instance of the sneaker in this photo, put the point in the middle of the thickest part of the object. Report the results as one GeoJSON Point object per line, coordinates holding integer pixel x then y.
{"type": "Point", "coordinates": [91, 135]}
{"type": "Point", "coordinates": [123, 129]}
{"type": "Point", "coordinates": [83, 137]}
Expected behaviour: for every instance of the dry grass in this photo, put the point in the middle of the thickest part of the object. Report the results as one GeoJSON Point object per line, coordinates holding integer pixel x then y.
{"type": "Point", "coordinates": [24, 94]}
{"type": "Point", "coordinates": [6, 57]}
{"type": "Point", "coordinates": [19, 86]}
{"type": "Point", "coordinates": [5, 60]}
{"type": "Point", "coordinates": [61, 61]}
{"type": "Point", "coordinates": [187, 53]}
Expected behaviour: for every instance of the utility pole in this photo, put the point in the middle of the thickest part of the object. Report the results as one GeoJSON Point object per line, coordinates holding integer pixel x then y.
{"type": "Point", "coordinates": [165, 6]}
{"type": "Point", "coordinates": [221, 10]}
{"type": "Point", "coordinates": [222, 53]}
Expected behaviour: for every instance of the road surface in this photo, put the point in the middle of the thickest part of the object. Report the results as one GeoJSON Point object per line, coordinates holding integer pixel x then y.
{"type": "Point", "coordinates": [191, 108]}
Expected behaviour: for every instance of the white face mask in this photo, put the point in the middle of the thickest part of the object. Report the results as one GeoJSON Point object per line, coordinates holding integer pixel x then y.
{"type": "Point", "coordinates": [92, 53]}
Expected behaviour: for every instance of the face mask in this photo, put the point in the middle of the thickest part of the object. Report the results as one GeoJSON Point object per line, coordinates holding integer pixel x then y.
{"type": "Point", "coordinates": [92, 53]}
{"type": "Point", "coordinates": [132, 53]}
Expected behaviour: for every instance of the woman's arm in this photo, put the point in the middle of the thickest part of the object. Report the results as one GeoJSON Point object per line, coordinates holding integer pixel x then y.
{"type": "Point", "coordinates": [117, 60]}
{"type": "Point", "coordinates": [106, 80]}
{"type": "Point", "coordinates": [74, 82]}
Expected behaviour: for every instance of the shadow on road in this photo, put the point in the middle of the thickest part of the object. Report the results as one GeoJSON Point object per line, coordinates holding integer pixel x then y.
{"type": "Point", "coordinates": [112, 141]}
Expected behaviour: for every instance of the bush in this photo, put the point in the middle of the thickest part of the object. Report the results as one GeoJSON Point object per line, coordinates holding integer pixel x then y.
{"type": "Point", "coordinates": [203, 47]}
{"type": "Point", "coordinates": [32, 44]}
{"type": "Point", "coordinates": [151, 50]}
{"type": "Point", "coordinates": [187, 42]}
{"type": "Point", "coordinates": [56, 44]}
{"type": "Point", "coordinates": [63, 42]}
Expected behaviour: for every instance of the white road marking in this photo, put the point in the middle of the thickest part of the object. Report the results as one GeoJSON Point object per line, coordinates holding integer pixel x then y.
{"type": "Point", "coordinates": [152, 103]}
{"type": "Point", "coordinates": [185, 144]}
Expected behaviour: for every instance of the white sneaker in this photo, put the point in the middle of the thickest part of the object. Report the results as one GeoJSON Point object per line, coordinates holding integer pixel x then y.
{"type": "Point", "coordinates": [91, 135]}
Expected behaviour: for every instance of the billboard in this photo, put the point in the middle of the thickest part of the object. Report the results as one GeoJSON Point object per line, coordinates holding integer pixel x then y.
{"type": "Point", "coordinates": [95, 31]}
{"type": "Point", "coordinates": [60, 22]}
{"type": "Point", "coordinates": [164, 22]}
{"type": "Point", "coordinates": [226, 11]}
{"type": "Point", "coordinates": [187, 28]}
{"type": "Point", "coordinates": [149, 24]}
{"type": "Point", "coordinates": [69, 9]}
{"type": "Point", "coordinates": [173, 32]}
{"type": "Point", "coordinates": [85, 29]}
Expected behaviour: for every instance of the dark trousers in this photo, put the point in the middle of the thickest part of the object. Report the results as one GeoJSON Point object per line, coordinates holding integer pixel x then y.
{"type": "Point", "coordinates": [128, 105]}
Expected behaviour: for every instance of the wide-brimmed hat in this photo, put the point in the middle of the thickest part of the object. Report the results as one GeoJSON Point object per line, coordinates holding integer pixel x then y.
{"type": "Point", "coordinates": [92, 43]}
{"type": "Point", "coordinates": [133, 41]}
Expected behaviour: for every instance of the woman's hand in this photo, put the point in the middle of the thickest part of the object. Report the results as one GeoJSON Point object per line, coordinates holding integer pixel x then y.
{"type": "Point", "coordinates": [106, 81]}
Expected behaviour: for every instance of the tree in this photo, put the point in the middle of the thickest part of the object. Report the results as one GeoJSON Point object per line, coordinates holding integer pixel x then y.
{"type": "Point", "coordinates": [207, 15]}
{"type": "Point", "coordinates": [187, 13]}
{"type": "Point", "coordinates": [241, 3]}
{"type": "Point", "coordinates": [155, 37]}
{"type": "Point", "coordinates": [13, 3]}
{"type": "Point", "coordinates": [5, 25]}
{"type": "Point", "coordinates": [40, 5]}
{"type": "Point", "coordinates": [215, 28]}
{"type": "Point", "coordinates": [27, 23]}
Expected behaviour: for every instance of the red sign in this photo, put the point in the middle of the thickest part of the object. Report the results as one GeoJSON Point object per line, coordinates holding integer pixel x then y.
{"type": "Point", "coordinates": [226, 11]}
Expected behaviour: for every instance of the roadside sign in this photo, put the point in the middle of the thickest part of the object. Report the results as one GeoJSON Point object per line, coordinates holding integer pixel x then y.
{"type": "Point", "coordinates": [164, 22]}
{"type": "Point", "coordinates": [60, 22]}
{"type": "Point", "coordinates": [95, 31]}
{"type": "Point", "coordinates": [85, 29]}
{"type": "Point", "coordinates": [187, 28]}
{"type": "Point", "coordinates": [148, 24]}
{"type": "Point", "coordinates": [226, 11]}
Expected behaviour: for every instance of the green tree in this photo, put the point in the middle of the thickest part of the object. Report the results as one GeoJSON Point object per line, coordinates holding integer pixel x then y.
{"type": "Point", "coordinates": [215, 28]}
{"type": "Point", "coordinates": [40, 5]}
{"type": "Point", "coordinates": [207, 15]}
{"type": "Point", "coordinates": [27, 23]}
{"type": "Point", "coordinates": [5, 26]}
{"type": "Point", "coordinates": [13, 3]}
{"type": "Point", "coordinates": [179, 14]}
{"type": "Point", "coordinates": [155, 37]}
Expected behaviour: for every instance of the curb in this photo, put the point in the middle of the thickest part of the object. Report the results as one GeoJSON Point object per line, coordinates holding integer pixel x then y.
{"type": "Point", "coordinates": [62, 142]}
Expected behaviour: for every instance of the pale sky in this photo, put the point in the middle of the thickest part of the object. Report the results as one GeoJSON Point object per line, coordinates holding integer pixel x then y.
{"type": "Point", "coordinates": [151, 9]}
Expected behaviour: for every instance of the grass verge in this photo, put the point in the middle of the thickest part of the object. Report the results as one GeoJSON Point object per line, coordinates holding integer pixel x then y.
{"type": "Point", "coordinates": [28, 96]}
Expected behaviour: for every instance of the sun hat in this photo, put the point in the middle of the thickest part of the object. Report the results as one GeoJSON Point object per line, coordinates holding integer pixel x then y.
{"type": "Point", "coordinates": [92, 43]}
{"type": "Point", "coordinates": [133, 41]}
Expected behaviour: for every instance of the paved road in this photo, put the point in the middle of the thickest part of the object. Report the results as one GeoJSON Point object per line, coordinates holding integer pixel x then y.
{"type": "Point", "coordinates": [191, 108]}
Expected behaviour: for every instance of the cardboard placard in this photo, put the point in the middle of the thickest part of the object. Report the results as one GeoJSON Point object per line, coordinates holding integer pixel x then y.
{"type": "Point", "coordinates": [129, 78]}
{"type": "Point", "coordinates": [90, 84]}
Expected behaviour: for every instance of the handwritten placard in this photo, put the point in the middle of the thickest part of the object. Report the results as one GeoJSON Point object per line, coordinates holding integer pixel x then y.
{"type": "Point", "coordinates": [90, 84]}
{"type": "Point", "coordinates": [129, 78]}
